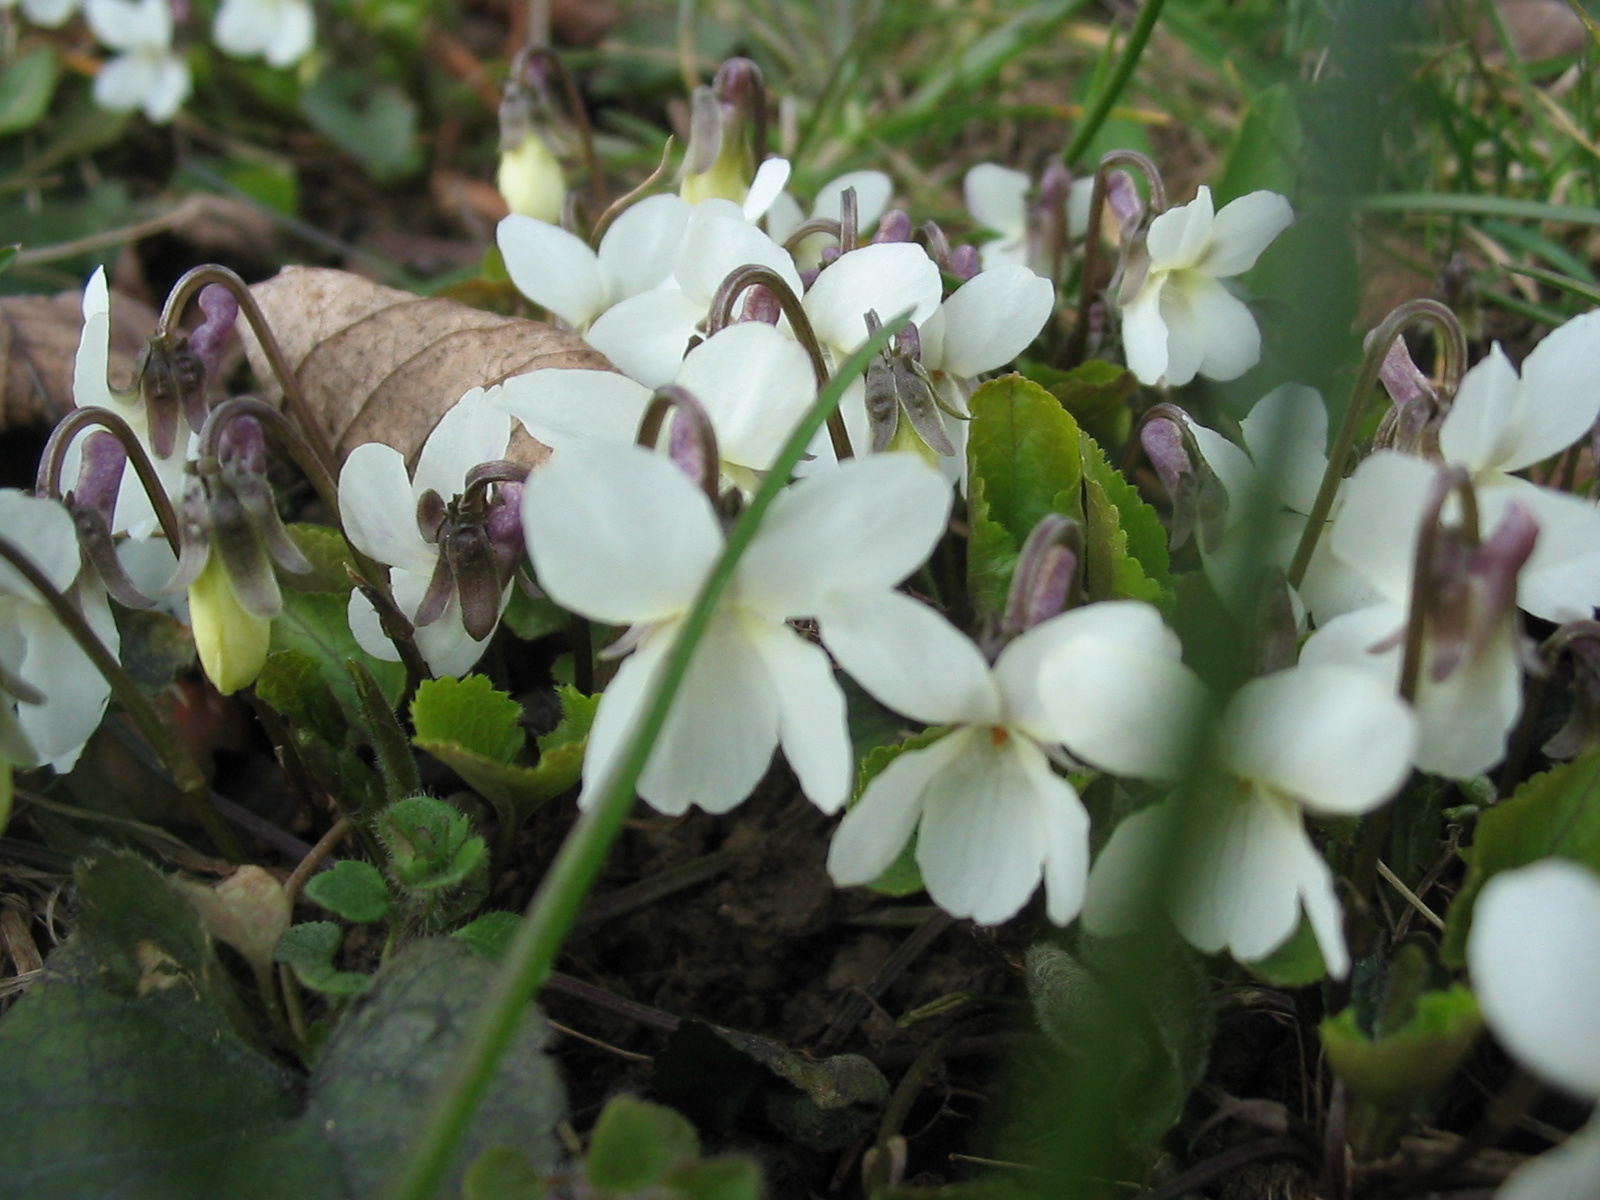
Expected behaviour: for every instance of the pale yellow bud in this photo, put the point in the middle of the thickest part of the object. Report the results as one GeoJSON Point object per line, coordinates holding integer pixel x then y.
{"type": "Point", "coordinates": [728, 179]}
{"type": "Point", "coordinates": [907, 440]}
{"type": "Point", "coordinates": [531, 180]}
{"type": "Point", "coordinates": [232, 643]}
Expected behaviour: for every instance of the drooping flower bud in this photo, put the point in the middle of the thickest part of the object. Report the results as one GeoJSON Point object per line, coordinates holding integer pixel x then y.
{"type": "Point", "coordinates": [1472, 589]}
{"type": "Point", "coordinates": [1123, 200]}
{"type": "Point", "coordinates": [893, 226]}
{"type": "Point", "coordinates": [92, 503]}
{"type": "Point", "coordinates": [727, 134]}
{"type": "Point", "coordinates": [171, 380]}
{"type": "Point", "coordinates": [533, 138]}
{"type": "Point", "coordinates": [1412, 425]}
{"type": "Point", "coordinates": [1197, 495]}
{"type": "Point", "coordinates": [221, 309]}
{"type": "Point", "coordinates": [760, 304]}
{"type": "Point", "coordinates": [896, 384]}
{"type": "Point", "coordinates": [1046, 570]}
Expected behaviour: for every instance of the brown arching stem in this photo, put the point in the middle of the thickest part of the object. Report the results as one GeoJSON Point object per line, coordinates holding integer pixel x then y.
{"type": "Point", "coordinates": [372, 580]}
{"type": "Point", "coordinates": [1078, 341]}
{"type": "Point", "coordinates": [1450, 481]}
{"type": "Point", "coordinates": [809, 228]}
{"type": "Point", "coordinates": [673, 399]}
{"type": "Point", "coordinates": [1453, 362]}
{"type": "Point", "coordinates": [189, 285]}
{"type": "Point", "coordinates": [753, 275]}
{"type": "Point", "coordinates": [53, 458]}
{"type": "Point", "coordinates": [174, 755]}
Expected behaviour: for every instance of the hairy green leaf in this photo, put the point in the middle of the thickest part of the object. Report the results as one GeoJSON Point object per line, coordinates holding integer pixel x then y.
{"type": "Point", "coordinates": [353, 890]}
{"type": "Point", "coordinates": [310, 949]}
{"type": "Point", "coordinates": [634, 1143]}
{"type": "Point", "coordinates": [25, 89]}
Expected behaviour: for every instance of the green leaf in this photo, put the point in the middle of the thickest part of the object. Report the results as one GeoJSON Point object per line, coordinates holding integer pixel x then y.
{"type": "Point", "coordinates": [1125, 546]}
{"type": "Point", "coordinates": [375, 1082]}
{"type": "Point", "coordinates": [1556, 814]}
{"type": "Point", "coordinates": [490, 935]}
{"type": "Point", "coordinates": [431, 843]}
{"type": "Point", "coordinates": [1266, 147]}
{"type": "Point", "coordinates": [634, 1143]}
{"type": "Point", "coordinates": [531, 619]}
{"type": "Point", "coordinates": [124, 1076]}
{"type": "Point", "coordinates": [353, 890]}
{"type": "Point", "coordinates": [1296, 963]}
{"type": "Point", "coordinates": [902, 877]}
{"type": "Point", "coordinates": [1396, 1071]}
{"type": "Point", "coordinates": [502, 1173]}
{"type": "Point", "coordinates": [1025, 448]}
{"type": "Point", "coordinates": [292, 684]}
{"type": "Point", "coordinates": [1095, 392]}
{"type": "Point", "coordinates": [396, 763]}
{"type": "Point", "coordinates": [315, 624]}
{"type": "Point", "coordinates": [329, 555]}
{"type": "Point", "coordinates": [725, 1178]}
{"type": "Point", "coordinates": [376, 124]}
{"type": "Point", "coordinates": [471, 714]}
{"type": "Point", "coordinates": [25, 89]}
{"type": "Point", "coordinates": [310, 948]}
{"type": "Point", "coordinates": [517, 791]}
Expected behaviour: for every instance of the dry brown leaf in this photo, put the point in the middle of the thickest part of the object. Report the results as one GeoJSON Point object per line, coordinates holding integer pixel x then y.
{"type": "Point", "coordinates": [38, 342]}
{"type": "Point", "coordinates": [382, 365]}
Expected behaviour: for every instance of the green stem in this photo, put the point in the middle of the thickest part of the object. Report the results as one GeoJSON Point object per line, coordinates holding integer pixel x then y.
{"type": "Point", "coordinates": [1103, 103]}
{"type": "Point", "coordinates": [555, 905]}
{"type": "Point", "coordinates": [174, 755]}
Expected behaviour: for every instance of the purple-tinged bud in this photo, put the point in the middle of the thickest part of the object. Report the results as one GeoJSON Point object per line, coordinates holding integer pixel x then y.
{"type": "Point", "coordinates": [504, 524]}
{"type": "Point", "coordinates": [430, 515]}
{"type": "Point", "coordinates": [171, 379]}
{"type": "Point", "coordinates": [221, 311]}
{"type": "Point", "coordinates": [937, 243]}
{"type": "Point", "coordinates": [893, 226]}
{"type": "Point", "coordinates": [1473, 589]}
{"type": "Point", "coordinates": [1412, 424]}
{"type": "Point", "coordinates": [1046, 567]}
{"type": "Point", "coordinates": [1494, 567]}
{"type": "Point", "coordinates": [964, 262]}
{"type": "Point", "coordinates": [100, 474]}
{"type": "Point", "coordinates": [687, 448]}
{"type": "Point", "coordinates": [1123, 199]}
{"type": "Point", "coordinates": [242, 446]}
{"type": "Point", "coordinates": [1047, 220]}
{"type": "Point", "coordinates": [1193, 489]}
{"type": "Point", "coordinates": [808, 276]}
{"type": "Point", "coordinates": [760, 304]}
{"type": "Point", "coordinates": [239, 477]}
{"type": "Point", "coordinates": [739, 82]}
{"type": "Point", "coordinates": [908, 342]}
{"type": "Point", "coordinates": [1163, 443]}
{"type": "Point", "coordinates": [829, 255]}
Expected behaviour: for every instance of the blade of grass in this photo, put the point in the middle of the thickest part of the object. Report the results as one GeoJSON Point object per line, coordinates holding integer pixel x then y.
{"type": "Point", "coordinates": [1480, 206]}
{"type": "Point", "coordinates": [1138, 37]}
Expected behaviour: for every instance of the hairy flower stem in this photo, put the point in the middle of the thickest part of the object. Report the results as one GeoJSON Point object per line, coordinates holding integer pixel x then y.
{"type": "Point", "coordinates": [672, 398]}
{"type": "Point", "coordinates": [53, 457]}
{"type": "Point", "coordinates": [621, 204]}
{"type": "Point", "coordinates": [1096, 116]}
{"type": "Point", "coordinates": [752, 275]}
{"type": "Point", "coordinates": [1079, 338]}
{"type": "Point", "coordinates": [371, 579]}
{"type": "Point", "coordinates": [174, 755]}
{"type": "Point", "coordinates": [189, 285]}
{"type": "Point", "coordinates": [554, 906]}
{"type": "Point", "coordinates": [1453, 363]}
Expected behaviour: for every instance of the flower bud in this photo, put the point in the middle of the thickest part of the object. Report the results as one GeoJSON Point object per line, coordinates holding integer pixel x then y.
{"type": "Point", "coordinates": [1473, 589]}
{"type": "Point", "coordinates": [1046, 568]}
{"type": "Point", "coordinates": [896, 384]}
{"type": "Point", "coordinates": [171, 380]}
{"type": "Point", "coordinates": [726, 123]}
{"type": "Point", "coordinates": [231, 641]}
{"type": "Point", "coordinates": [1123, 201]}
{"type": "Point", "coordinates": [1412, 425]}
{"type": "Point", "coordinates": [533, 137]}
{"type": "Point", "coordinates": [893, 226]}
{"type": "Point", "coordinates": [221, 309]}
{"type": "Point", "coordinates": [92, 503]}
{"type": "Point", "coordinates": [964, 263]}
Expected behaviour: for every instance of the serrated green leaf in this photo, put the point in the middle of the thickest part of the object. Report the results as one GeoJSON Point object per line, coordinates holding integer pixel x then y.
{"type": "Point", "coordinates": [468, 712]}
{"type": "Point", "coordinates": [1125, 546]}
{"type": "Point", "coordinates": [375, 1083]}
{"type": "Point", "coordinates": [25, 89]}
{"type": "Point", "coordinates": [431, 843]}
{"type": "Point", "coordinates": [635, 1143]}
{"type": "Point", "coordinates": [1396, 1071]}
{"type": "Point", "coordinates": [124, 1076]}
{"type": "Point", "coordinates": [1556, 814]}
{"type": "Point", "coordinates": [502, 1173]}
{"type": "Point", "coordinates": [310, 948]}
{"type": "Point", "coordinates": [292, 684]}
{"type": "Point", "coordinates": [490, 935]}
{"type": "Point", "coordinates": [577, 715]}
{"type": "Point", "coordinates": [724, 1178]}
{"type": "Point", "coordinates": [1091, 391]}
{"type": "Point", "coordinates": [353, 889]}
{"type": "Point", "coordinates": [1296, 963]}
{"type": "Point", "coordinates": [315, 624]}
{"type": "Point", "coordinates": [991, 554]}
{"type": "Point", "coordinates": [1025, 448]}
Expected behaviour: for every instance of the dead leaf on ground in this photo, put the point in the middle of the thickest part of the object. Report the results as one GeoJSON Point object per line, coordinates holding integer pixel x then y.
{"type": "Point", "coordinates": [382, 365]}
{"type": "Point", "coordinates": [1539, 29]}
{"type": "Point", "coordinates": [38, 342]}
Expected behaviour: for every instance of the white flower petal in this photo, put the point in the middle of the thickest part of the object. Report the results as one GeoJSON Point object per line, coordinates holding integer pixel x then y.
{"type": "Point", "coordinates": [367, 629]}
{"type": "Point", "coordinates": [1379, 519]}
{"type": "Point", "coordinates": [784, 216]}
{"type": "Point", "coordinates": [910, 658]}
{"type": "Point", "coordinates": [1564, 395]}
{"type": "Point", "coordinates": [379, 509]}
{"type": "Point", "coordinates": [472, 431]}
{"type": "Point", "coordinates": [1334, 738]}
{"type": "Point", "coordinates": [997, 198]}
{"type": "Point", "coordinates": [123, 83]}
{"type": "Point", "coordinates": [861, 526]}
{"type": "Point", "coordinates": [1066, 839]}
{"type": "Point", "coordinates": [1534, 952]}
{"type": "Point", "coordinates": [1127, 709]}
{"type": "Point", "coordinates": [880, 824]}
{"type": "Point", "coordinates": [1287, 432]}
{"type": "Point", "coordinates": [717, 242]}
{"type": "Point", "coordinates": [1228, 337]}
{"type": "Point", "coordinates": [886, 278]}
{"type": "Point", "coordinates": [1178, 237]}
{"type": "Point", "coordinates": [981, 842]}
{"type": "Point", "coordinates": [765, 188]}
{"type": "Point", "coordinates": [443, 642]}
{"type": "Point", "coordinates": [811, 713]}
{"type": "Point", "coordinates": [619, 534]}
{"type": "Point", "coordinates": [552, 268]}
{"type": "Point", "coordinates": [1144, 332]}
{"type": "Point", "coordinates": [755, 384]}
{"type": "Point", "coordinates": [1242, 230]}
{"type": "Point", "coordinates": [89, 387]}
{"type": "Point", "coordinates": [1321, 903]}
{"type": "Point", "coordinates": [561, 406]}
{"type": "Point", "coordinates": [1240, 878]}
{"type": "Point", "coordinates": [873, 190]}
{"type": "Point", "coordinates": [1481, 430]}
{"type": "Point", "coordinates": [994, 317]}
{"type": "Point", "coordinates": [619, 708]}
{"type": "Point", "coordinates": [645, 336]}
{"type": "Point", "coordinates": [44, 531]}
{"type": "Point", "coordinates": [1570, 1171]}
{"type": "Point", "coordinates": [637, 252]}
{"type": "Point", "coordinates": [293, 34]}
{"type": "Point", "coordinates": [75, 691]}
{"type": "Point", "coordinates": [1561, 579]}
{"type": "Point", "coordinates": [240, 27]}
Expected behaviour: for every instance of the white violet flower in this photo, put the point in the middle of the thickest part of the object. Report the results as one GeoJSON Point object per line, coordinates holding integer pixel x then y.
{"type": "Point", "coordinates": [146, 74]}
{"type": "Point", "coordinates": [281, 31]}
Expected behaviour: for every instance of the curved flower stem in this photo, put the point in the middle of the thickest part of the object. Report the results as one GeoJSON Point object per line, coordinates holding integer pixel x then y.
{"type": "Point", "coordinates": [173, 753]}
{"type": "Point", "coordinates": [1451, 480]}
{"type": "Point", "coordinates": [372, 581]}
{"type": "Point", "coordinates": [554, 906]}
{"type": "Point", "coordinates": [1453, 354]}
{"type": "Point", "coordinates": [1091, 238]}
{"type": "Point", "coordinates": [751, 275]}
{"type": "Point", "coordinates": [189, 285]}
{"type": "Point", "coordinates": [48, 481]}
{"type": "Point", "coordinates": [810, 227]}
{"type": "Point", "coordinates": [620, 205]}
{"type": "Point", "coordinates": [1096, 116]}
{"type": "Point", "coordinates": [672, 397]}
